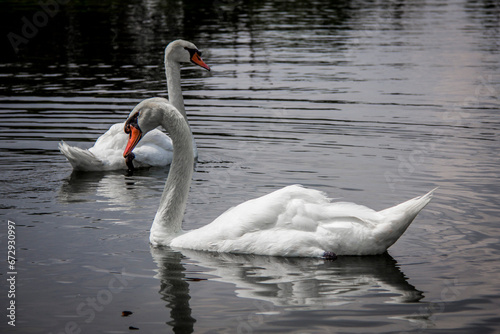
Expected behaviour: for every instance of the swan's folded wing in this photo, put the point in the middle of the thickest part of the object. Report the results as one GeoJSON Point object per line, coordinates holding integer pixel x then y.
{"type": "Point", "coordinates": [283, 208]}
{"type": "Point", "coordinates": [292, 208]}
{"type": "Point", "coordinates": [292, 221]}
{"type": "Point", "coordinates": [155, 149]}
{"type": "Point", "coordinates": [113, 139]}
{"type": "Point", "coordinates": [274, 224]}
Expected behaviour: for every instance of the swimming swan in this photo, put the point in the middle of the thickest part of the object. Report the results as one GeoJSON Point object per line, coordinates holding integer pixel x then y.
{"type": "Point", "coordinates": [292, 221]}
{"type": "Point", "coordinates": [156, 147]}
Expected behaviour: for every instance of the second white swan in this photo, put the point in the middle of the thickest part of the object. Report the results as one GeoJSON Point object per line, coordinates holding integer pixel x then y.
{"type": "Point", "coordinates": [155, 148]}
{"type": "Point", "coordinates": [292, 221]}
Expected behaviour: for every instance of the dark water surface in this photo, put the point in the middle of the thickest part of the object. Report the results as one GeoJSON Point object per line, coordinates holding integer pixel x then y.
{"type": "Point", "coordinates": [373, 102]}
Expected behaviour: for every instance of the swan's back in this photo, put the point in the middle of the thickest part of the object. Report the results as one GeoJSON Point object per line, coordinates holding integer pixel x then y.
{"type": "Point", "coordinates": [295, 221]}
{"type": "Point", "coordinates": [107, 153]}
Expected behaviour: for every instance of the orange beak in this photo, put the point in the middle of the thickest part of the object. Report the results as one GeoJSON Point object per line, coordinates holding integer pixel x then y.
{"type": "Point", "coordinates": [198, 61]}
{"type": "Point", "coordinates": [135, 136]}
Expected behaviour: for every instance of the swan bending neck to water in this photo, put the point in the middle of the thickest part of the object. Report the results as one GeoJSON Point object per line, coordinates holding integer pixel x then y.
{"type": "Point", "coordinates": [292, 221]}
{"type": "Point", "coordinates": [155, 148]}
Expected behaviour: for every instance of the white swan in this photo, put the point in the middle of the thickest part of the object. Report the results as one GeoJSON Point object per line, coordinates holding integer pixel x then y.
{"type": "Point", "coordinates": [292, 221]}
{"type": "Point", "coordinates": [155, 148]}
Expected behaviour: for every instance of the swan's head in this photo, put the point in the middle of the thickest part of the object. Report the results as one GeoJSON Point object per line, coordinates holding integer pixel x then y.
{"type": "Point", "coordinates": [181, 51]}
{"type": "Point", "coordinates": [145, 117]}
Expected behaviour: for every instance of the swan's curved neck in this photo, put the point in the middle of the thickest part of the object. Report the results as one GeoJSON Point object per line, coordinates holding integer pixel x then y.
{"type": "Point", "coordinates": [168, 220]}
{"type": "Point", "coordinates": [173, 73]}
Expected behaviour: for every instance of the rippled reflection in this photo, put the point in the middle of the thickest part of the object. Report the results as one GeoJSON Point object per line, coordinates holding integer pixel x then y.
{"type": "Point", "coordinates": [115, 190]}
{"type": "Point", "coordinates": [309, 284]}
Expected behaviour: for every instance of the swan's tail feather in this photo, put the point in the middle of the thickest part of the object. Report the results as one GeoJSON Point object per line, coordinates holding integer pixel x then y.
{"type": "Point", "coordinates": [397, 218]}
{"type": "Point", "coordinates": [409, 208]}
{"type": "Point", "coordinates": [79, 158]}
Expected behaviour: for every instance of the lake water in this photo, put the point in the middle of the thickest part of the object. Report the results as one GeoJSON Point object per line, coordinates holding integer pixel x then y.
{"type": "Point", "coordinates": [373, 102]}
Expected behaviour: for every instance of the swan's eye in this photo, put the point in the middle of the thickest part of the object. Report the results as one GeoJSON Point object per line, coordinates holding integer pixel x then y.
{"type": "Point", "coordinates": [132, 121]}
{"type": "Point", "coordinates": [191, 51]}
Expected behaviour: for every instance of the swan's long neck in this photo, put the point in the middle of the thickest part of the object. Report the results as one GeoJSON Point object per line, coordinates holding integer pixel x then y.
{"type": "Point", "coordinates": [173, 73]}
{"type": "Point", "coordinates": [168, 220]}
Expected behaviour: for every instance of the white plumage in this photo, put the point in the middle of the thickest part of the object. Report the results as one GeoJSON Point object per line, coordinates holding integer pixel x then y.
{"type": "Point", "coordinates": [107, 152]}
{"type": "Point", "coordinates": [296, 221]}
{"type": "Point", "coordinates": [292, 221]}
{"type": "Point", "coordinates": [155, 150]}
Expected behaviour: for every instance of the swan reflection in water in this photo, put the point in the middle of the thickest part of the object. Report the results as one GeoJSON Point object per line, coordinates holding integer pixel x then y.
{"type": "Point", "coordinates": [287, 283]}
{"type": "Point", "coordinates": [113, 188]}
